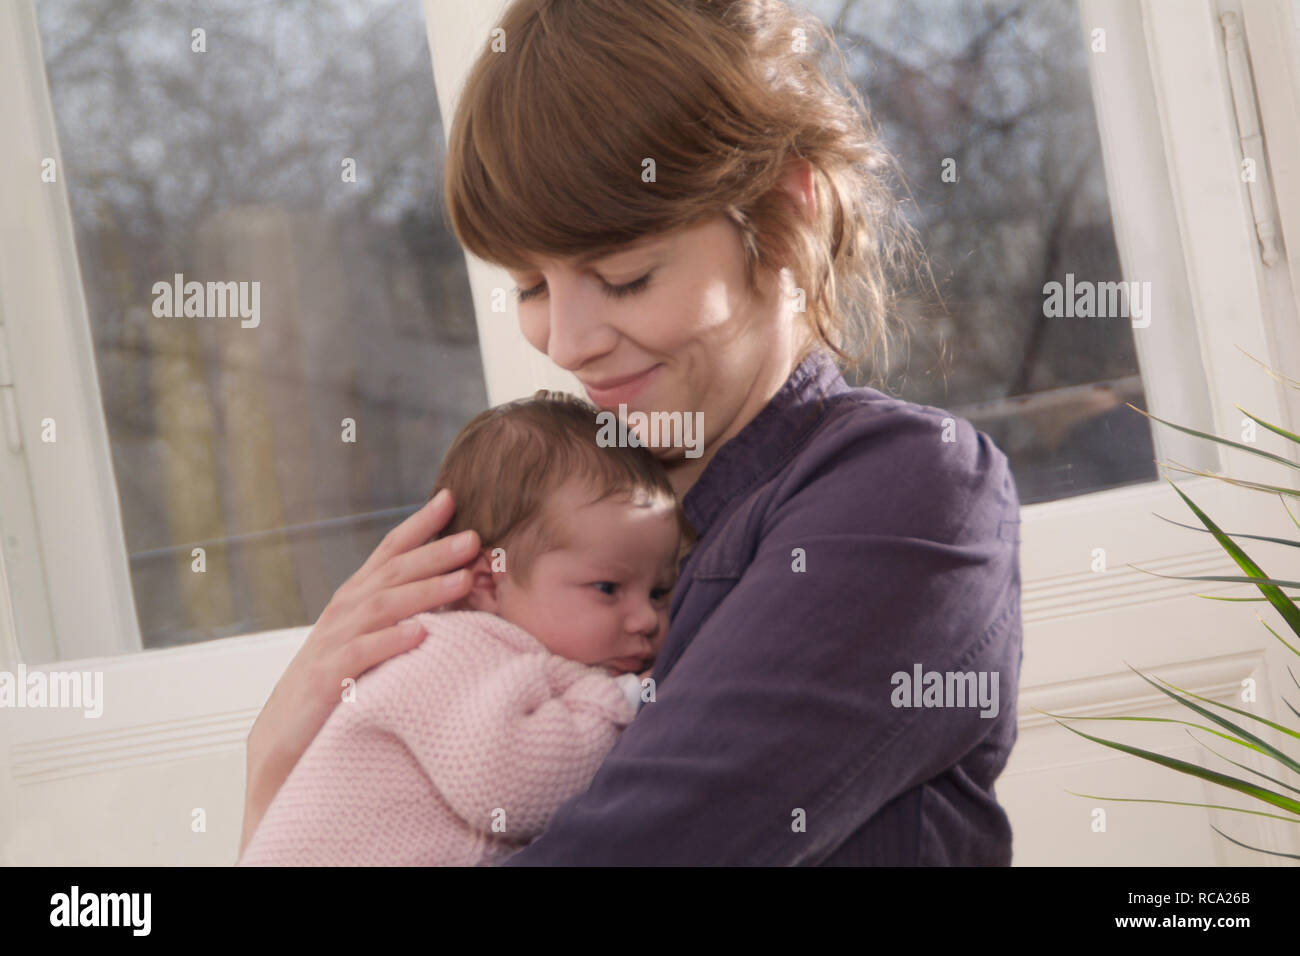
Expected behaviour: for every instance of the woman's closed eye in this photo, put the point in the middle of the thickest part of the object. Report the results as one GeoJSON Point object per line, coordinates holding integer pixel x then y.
{"type": "Point", "coordinates": [613, 291]}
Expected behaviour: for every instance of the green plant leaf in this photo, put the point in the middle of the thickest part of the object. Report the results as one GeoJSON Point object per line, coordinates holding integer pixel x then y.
{"type": "Point", "coordinates": [1285, 606]}
{"type": "Point", "coordinates": [1275, 376]}
{"type": "Point", "coordinates": [1257, 849]}
{"type": "Point", "coordinates": [1260, 773]}
{"type": "Point", "coordinates": [1294, 681]}
{"type": "Point", "coordinates": [1285, 643]}
{"type": "Point", "coordinates": [1239, 482]}
{"type": "Point", "coordinates": [1162, 720]}
{"type": "Point", "coordinates": [1222, 441]}
{"type": "Point", "coordinates": [1273, 428]}
{"type": "Point", "coordinates": [1213, 776]}
{"type": "Point", "coordinates": [1289, 542]}
{"type": "Point", "coordinates": [1283, 602]}
{"type": "Point", "coordinates": [1294, 520]}
{"type": "Point", "coordinates": [1184, 803]}
{"type": "Point", "coordinates": [1226, 578]}
{"type": "Point", "coordinates": [1224, 722]}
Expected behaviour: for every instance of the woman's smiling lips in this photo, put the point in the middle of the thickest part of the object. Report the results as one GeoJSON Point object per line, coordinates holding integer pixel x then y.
{"type": "Point", "coordinates": [614, 391]}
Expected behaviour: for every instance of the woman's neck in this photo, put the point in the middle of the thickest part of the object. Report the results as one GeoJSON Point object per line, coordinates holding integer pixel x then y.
{"type": "Point", "coordinates": [684, 472]}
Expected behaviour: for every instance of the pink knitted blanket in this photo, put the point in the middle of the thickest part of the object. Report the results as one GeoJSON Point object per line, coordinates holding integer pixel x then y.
{"type": "Point", "coordinates": [455, 753]}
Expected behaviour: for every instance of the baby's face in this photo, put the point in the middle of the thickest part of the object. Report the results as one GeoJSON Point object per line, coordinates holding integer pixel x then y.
{"type": "Point", "coordinates": [603, 600]}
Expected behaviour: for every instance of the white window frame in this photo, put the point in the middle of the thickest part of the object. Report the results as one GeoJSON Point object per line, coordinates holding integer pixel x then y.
{"type": "Point", "coordinates": [1227, 299]}
{"type": "Point", "coordinates": [71, 585]}
{"type": "Point", "coordinates": [80, 541]}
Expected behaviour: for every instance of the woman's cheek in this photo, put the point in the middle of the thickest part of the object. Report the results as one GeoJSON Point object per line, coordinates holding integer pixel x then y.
{"type": "Point", "coordinates": [532, 323]}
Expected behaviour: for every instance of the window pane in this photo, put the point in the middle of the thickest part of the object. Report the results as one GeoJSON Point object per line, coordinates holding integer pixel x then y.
{"type": "Point", "coordinates": [293, 150]}
{"type": "Point", "coordinates": [1002, 90]}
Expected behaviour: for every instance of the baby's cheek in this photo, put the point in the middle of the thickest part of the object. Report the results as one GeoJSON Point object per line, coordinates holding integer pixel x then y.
{"type": "Point", "coordinates": [663, 630]}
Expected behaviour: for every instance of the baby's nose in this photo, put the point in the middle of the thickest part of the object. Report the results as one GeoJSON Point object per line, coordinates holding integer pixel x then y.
{"type": "Point", "coordinates": [646, 622]}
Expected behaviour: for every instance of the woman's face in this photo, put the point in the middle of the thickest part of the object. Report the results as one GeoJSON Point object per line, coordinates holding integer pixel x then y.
{"type": "Point", "coordinates": [667, 324]}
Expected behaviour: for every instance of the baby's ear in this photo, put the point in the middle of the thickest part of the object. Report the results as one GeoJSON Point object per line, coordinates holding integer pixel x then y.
{"type": "Point", "coordinates": [483, 587]}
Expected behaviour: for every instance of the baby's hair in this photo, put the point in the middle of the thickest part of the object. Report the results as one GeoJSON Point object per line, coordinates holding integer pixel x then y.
{"type": "Point", "coordinates": [505, 464]}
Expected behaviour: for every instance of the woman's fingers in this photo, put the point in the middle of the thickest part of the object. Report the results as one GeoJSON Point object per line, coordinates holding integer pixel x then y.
{"type": "Point", "coordinates": [363, 625]}
{"type": "Point", "coordinates": [415, 530]}
{"type": "Point", "coordinates": [368, 650]}
{"type": "Point", "coordinates": [383, 609]}
{"type": "Point", "coordinates": [442, 556]}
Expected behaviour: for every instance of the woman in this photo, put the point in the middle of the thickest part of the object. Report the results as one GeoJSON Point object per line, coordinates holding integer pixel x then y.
{"type": "Point", "coordinates": [699, 221]}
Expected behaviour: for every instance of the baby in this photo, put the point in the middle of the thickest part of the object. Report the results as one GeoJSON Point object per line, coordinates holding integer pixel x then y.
{"type": "Point", "coordinates": [460, 751]}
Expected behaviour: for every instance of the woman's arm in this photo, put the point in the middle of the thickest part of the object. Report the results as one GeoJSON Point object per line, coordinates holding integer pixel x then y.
{"type": "Point", "coordinates": [776, 735]}
{"type": "Point", "coordinates": [358, 629]}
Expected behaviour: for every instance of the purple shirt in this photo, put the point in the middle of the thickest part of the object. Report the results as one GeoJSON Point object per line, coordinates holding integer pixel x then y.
{"type": "Point", "coordinates": [849, 543]}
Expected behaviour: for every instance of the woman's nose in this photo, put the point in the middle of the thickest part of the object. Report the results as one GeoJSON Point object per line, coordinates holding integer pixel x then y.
{"type": "Point", "coordinates": [576, 333]}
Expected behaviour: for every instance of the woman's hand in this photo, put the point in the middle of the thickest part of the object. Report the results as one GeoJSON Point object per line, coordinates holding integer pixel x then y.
{"type": "Point", "coordinates": [357, 630]}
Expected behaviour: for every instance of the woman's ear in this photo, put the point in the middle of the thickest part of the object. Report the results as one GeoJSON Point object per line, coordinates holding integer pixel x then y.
{"type": "Point", "coordinates": [798, 182]}
{"type": "Point", "coordinates": [482, 594]}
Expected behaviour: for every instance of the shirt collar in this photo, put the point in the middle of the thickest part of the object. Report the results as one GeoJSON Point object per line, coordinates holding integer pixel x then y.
{"type": "Point", "coordinates": [765, 442]}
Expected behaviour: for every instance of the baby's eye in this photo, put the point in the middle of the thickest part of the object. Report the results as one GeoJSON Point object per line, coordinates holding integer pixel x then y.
{"type": "Point", "coordinates": [602, 585]}
{"type": "Point", "coordinates": [659, 594]}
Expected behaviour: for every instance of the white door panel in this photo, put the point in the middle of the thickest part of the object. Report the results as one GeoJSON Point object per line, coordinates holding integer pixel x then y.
{"type": "Point", "coordinates": [158, 778]}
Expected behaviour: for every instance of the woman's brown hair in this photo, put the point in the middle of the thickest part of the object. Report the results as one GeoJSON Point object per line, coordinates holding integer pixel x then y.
{"type": "Point", "coordinates": [545, 152]}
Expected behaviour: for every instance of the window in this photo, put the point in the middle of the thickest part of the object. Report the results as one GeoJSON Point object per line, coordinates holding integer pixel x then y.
{"type": "Point", "coordinates": [989, 110]}
{"type": "Point", "coordinates": [228, 166]}
{"type": "Point", "coordinates": [292, 153]}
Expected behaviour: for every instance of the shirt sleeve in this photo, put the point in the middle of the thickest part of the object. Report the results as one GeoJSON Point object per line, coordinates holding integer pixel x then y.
{"type": "Point", "coordinates": [779, 732]}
